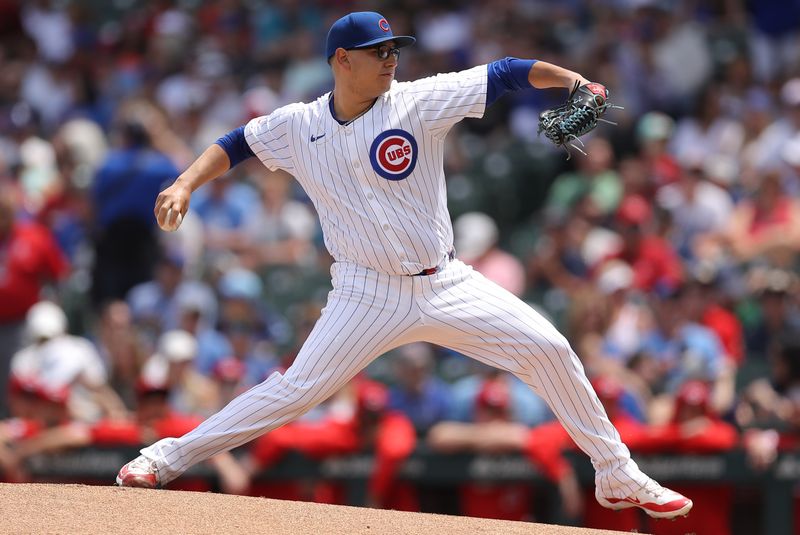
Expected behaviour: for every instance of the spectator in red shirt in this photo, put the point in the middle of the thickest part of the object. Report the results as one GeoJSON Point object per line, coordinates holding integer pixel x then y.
{"type": "Point", "coordinates": [36, 409]}
{"type": "Point", "coordinates": [12, 431]}
{"type": "Point", "coordinates": [153, 420]}
{"type": "Point", "coordinates": [29, 258]}
{"type": "Point", "coordinates": [719, 318]}
{"type": "Point", "coordinates": [370, 425]}
{"type": "Point", "coordinates": [767, 225]}
{"type": "Point", "coordinates": [492, 431]}
{"type": "Point", "coordinates": [695, 428]}
{"type": "Point", "coordinates": [699, 305]}
{"type": "Point", "coordinates": [656, 266]}
{"type": "Point", "coordinates": [30, 411]}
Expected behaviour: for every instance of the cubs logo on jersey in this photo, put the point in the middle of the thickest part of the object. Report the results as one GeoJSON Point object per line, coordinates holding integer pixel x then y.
{"type": "Point", "coordinates": [393, 154]}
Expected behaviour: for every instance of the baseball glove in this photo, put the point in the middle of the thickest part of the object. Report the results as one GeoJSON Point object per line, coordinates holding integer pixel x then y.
{"type": "Point", "coordinates": [577, 116]}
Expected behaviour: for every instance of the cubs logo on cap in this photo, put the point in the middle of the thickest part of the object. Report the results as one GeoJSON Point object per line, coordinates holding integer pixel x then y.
{"type": "Point", "coordinates": [393, 154]}
{"type": "Point", "coordinates": [362, 29]}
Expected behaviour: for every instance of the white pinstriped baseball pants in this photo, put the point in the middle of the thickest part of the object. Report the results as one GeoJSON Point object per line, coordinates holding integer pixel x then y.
{"type": "Point", "coordinates": [367, 314]}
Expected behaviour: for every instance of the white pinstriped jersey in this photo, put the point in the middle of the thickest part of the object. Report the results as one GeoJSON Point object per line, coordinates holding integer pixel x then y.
{"type": "Point", "coordinates": [378, 185]}
{"type": "Point", "coordinates": [377, 182]}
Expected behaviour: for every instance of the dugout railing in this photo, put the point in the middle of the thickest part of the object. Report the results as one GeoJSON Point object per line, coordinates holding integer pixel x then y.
{"type": "Point", "coordinates": [774, 488]}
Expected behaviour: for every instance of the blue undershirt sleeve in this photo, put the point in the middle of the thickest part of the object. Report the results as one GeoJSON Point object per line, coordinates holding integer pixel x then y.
{"type": "Point", "coordinates": [235, 146]}
{"type": "Point", "coordinates": [507, 74]}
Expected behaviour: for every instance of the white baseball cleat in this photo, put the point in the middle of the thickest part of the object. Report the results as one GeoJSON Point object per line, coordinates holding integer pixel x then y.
{"type": "Point", "coordinates": [653, 499]}
{"type": "Point", "coordinates": [140, 472]}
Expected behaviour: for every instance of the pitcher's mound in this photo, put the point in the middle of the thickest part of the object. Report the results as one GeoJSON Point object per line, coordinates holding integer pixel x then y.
{"type": "Point", "coordinates": [86, 509]}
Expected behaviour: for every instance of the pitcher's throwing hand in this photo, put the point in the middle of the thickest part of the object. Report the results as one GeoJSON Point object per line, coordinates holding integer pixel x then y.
{"type": "Point", "coordinates": [171, 205]}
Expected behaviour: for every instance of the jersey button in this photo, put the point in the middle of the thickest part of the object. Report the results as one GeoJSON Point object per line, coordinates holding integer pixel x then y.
{"type": "Point", "coordinates": [356, 165]}
{"type": "Point", "coordinates": [370, 196]}
{"type": "Point", "coordinates": [385, 227]}
{"type": "Point", "coordinates": [348, 131]}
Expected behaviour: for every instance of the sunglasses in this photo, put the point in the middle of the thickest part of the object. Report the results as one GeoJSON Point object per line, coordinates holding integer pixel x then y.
{"type": "Point", "coordinates": [382, 52]}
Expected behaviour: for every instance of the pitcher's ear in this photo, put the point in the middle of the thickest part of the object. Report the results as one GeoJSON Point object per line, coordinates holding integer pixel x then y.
{"type": "Point", "coordinates": [341, 57]}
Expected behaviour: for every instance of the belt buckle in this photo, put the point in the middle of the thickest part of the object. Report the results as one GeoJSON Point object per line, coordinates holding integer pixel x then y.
{"type": "Point", "coordinates": [451, 254]}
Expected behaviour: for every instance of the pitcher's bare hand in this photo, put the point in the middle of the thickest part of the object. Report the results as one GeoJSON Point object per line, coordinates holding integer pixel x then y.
{"type": "Point", "coordinates": [171, 205]}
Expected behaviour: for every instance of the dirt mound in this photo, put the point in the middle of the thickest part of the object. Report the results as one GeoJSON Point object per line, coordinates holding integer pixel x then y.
{"type": "Point", "coordinates": [86, 509]}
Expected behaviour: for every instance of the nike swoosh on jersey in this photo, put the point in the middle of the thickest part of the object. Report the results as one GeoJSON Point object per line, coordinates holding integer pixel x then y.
{"type": "Point", "coordinates": [314, 138]}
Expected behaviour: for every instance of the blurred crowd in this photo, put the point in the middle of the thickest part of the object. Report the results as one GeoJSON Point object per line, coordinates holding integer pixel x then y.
{"type": "Point", "coordinates": [668, 254]}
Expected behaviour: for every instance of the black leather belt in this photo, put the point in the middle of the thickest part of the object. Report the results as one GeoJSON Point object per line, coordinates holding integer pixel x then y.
{"type": "Point", "coordinates": [436, 269]}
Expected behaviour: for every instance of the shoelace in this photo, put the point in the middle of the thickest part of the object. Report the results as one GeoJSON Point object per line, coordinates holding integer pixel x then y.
{"type": "Point", "coordinates": [143, 463]}
{"type": "Point", "coordinates": [654, 488]}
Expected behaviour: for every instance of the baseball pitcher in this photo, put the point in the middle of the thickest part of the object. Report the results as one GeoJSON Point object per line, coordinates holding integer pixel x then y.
{"type": "Point", "coordinates": [369, 155]}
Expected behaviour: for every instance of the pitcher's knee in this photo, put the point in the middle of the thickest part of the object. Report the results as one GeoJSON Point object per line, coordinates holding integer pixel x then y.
{"type": "Point", "coordinates": [297, 398]}
{"type": "Point", "coordinates": [561, 346]}
{"type": "Point", "coordinates": [556, 347]}
{"type": "Point", "coordinates": [557, 353]}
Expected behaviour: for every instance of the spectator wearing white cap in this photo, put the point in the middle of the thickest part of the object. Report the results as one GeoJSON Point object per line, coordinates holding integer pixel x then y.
{"type": "Point", "coordinates": [56, 361]}
{"type": "Point", "coordinates": [171, 368]}
{"type": "Point", "coordinates": [476, 236]}
{"type": "Point", "coordinates": [627, 317]}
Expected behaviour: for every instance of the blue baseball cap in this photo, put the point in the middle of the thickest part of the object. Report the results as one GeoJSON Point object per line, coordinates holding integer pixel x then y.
{"type": "Point", "coordinates": [362, 29]}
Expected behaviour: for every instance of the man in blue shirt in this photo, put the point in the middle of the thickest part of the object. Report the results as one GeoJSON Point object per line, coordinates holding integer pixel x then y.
{"type": "Point", "coordinates": [123, 193]}
{"type": "Point", "coordinates": [419, 394]}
